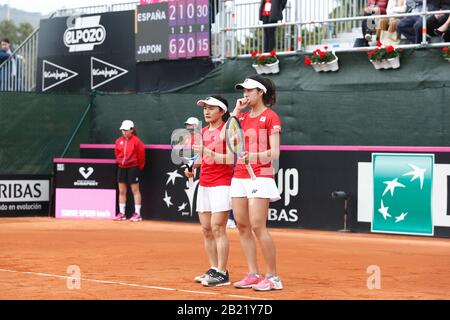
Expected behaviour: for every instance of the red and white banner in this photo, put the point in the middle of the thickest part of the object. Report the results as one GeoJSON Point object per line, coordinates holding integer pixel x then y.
{"type": "Point", "coordinates": [144, 2]}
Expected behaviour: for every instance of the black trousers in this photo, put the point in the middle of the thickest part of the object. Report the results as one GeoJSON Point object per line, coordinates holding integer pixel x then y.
{"type": "Point", "coordinates": [269, 39]}
{"type": "Point", "coordinates": [434, 23]}
{"type": "Point", "coordinates": [369, 25]}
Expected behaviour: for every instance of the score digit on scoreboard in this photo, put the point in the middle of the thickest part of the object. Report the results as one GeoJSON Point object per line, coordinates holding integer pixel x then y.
{"type": "Point", "coordinates": [172, 30]}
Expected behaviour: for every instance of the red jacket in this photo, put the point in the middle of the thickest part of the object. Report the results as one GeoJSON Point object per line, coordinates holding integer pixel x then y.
{"type": "Point", "coordinates": [382, 4]}
{"type": "Point", "coordinates": [130, 153]}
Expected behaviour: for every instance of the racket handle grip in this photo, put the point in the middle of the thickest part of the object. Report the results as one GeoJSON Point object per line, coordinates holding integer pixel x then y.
{"type": "Point", "coordinates": [250, 171]}
{"type": "Point", "coordinates": [190, 182]}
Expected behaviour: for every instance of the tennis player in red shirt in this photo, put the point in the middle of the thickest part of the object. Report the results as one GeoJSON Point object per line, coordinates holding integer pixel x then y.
{"type": "Point", "coordinates": [213, 200]}
{"type": "Point", "coordinates": [251, 198]}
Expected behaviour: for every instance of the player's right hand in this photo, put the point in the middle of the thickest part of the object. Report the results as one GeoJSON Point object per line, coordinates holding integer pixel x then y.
{"type": "Point", "coordinates": [241, 104]}
{"type": "Point", "coordinates": [188, 173]}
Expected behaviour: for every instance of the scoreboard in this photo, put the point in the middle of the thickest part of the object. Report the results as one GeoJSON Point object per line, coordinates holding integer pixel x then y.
{"type": "Point", "coordinates": [174, 29]}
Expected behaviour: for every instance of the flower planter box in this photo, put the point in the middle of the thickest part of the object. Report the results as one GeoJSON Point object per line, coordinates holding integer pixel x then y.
{"type": "Point", "coordinates": [273, 67]}
{"type": "Point", "coordinates": [259, 68]}
{"type": "Point", "coordinates": [267, 68]}
{"type": "Point", "coordinates": [393, 63]}
{"type": "Point", "coordinates": [326, 66]}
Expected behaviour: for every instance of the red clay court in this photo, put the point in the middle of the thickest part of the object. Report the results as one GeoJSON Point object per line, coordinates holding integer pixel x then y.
{"type": "Point", "coordinates": [158, 260]}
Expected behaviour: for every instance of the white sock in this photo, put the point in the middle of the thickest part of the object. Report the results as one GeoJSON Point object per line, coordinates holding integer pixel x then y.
{"type": "Point", "coordinates": [137, 209]}
{"type": "Point", "coordinates": [122, 207]}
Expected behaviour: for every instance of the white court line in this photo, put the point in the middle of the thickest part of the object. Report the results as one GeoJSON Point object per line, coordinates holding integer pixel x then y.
{"type": "Point", "coordinates": [130, 284]}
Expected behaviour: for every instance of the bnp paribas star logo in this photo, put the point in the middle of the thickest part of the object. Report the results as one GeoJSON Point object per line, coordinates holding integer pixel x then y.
{"type": "Point", "coordinates": [176, 181]}
{"type": "Point", "coordinates": [402, 193]}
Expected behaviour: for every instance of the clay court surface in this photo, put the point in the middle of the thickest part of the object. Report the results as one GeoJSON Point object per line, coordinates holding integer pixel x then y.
{"type": "Point", "coordinates": [158, 260]}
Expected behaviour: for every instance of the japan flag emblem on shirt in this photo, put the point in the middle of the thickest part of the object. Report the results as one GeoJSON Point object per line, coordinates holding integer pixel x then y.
{"type": "Point", "coordinates": [262, 119]}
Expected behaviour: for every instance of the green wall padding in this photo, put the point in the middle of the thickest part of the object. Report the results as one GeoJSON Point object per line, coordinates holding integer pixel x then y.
{"type": "Point", "coordinates": [35, 128]}
{"type": "Point", "coordinates": [357, 105]}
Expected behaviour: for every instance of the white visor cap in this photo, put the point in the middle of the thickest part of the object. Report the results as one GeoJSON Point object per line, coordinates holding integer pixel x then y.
{"type": "Point", "coordinates": [212, 102]}
{"type": "Point", "coordinates": [192, 121]}
{"type": "Point", "coordinates": [251, 84]}
{"type": "Point", "coordinates": [127, 125]}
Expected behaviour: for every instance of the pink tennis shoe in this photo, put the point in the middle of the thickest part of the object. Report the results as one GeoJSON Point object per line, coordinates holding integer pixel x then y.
{"type": "Point", "coordinates": [269, 283]}
{"type": "Point", "coordinates": [249, 281]}
{"type": "Point", "coordinates": [120, 217]}
{"type": "Point", "coordinates": [136, 218]}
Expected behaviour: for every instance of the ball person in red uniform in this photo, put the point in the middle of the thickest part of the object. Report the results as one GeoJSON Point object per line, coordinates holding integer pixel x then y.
{"type": "Point", "coordinates": [130, 159]}
{"type": "Point", "coordinates": [213, 200]}
{"type": "Point", "coordinates": [250, 198]}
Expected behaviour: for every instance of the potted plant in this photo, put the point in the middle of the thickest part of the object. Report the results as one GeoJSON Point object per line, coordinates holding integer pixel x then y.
{"type": "Point", "coordinates": [446, 53]}
{"type": "Point", "coordinates": [384, 57]}
{"type": "Point", "coordinates": [265, 62]}
{"type": "Point", "coordinates": [322, 60]}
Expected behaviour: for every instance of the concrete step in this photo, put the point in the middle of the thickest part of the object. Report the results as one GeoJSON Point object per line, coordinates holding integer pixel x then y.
{"type": "Point", "coordinates": [344, 45]}
{"type": "Point", "coordinates": [352, 35]}
{"type": "Point", "coordinates": [337, 40]}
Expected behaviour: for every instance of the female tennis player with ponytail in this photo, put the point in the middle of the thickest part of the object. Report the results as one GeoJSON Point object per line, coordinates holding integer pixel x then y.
{"type": "Point", "coordinates": [213, 200]}
{"type": "Point", "coordinates": [252, 188]}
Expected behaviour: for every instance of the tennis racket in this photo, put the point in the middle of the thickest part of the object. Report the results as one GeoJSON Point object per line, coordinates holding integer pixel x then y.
{"type": "Point", "coordinates": [234, 137]}
{"type": "Point", "coordinates": [182, 151]}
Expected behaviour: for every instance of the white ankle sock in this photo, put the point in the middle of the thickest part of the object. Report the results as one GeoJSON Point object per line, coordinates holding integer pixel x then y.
{"type": "Point", "coordinates": [122, 207]}
{"type": "Point", "coordinates": [137, 209]}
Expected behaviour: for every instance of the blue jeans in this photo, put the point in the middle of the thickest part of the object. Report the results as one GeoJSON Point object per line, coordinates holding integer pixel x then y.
{"type": "Point", "coordinates": [411, 28]}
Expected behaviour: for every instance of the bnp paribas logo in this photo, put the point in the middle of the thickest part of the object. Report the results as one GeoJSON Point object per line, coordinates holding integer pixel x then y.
{"type": "Point", "coordinates": [402, 187]}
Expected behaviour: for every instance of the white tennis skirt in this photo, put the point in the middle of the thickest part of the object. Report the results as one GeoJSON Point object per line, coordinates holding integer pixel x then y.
{"type": "Point", "coordinates": [265, 188]}
{"type": "Point", "coordinates": [213, 199]}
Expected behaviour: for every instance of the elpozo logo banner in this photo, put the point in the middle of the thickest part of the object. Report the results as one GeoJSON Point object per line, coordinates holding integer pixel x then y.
{"type": "Point", "coordinates": [85, 34]}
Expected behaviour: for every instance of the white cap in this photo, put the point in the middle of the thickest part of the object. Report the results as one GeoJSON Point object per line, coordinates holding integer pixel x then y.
{"type": "Point", "coordinates": [127, 125]}
{"type": "Point", "coordinates": [251, 84]}
{"type": "Point", "coordinates": [192, 121]}
{"type": "Point", "coordinates": [212, 102]}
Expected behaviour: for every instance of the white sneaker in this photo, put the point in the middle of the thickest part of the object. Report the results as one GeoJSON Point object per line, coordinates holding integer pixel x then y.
{"type": "Point", "coordinates": [231, 224]}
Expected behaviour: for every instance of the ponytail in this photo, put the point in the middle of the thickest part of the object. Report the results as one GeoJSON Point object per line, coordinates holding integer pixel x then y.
{"type": "Point", "coordinates": [226, 116]}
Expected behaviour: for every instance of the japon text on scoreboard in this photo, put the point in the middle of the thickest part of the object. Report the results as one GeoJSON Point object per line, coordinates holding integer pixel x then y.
{"type": "Point", "coordinates": [173, 29]}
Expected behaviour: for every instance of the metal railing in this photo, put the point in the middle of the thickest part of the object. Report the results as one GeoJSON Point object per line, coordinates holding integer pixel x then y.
{"type": "Point", "coordinates": [241, 41]}
{"type": "Point", "coordinates": [96, 9]}
{"type": "Point", "coordinates": [18, 73]}
{"type": "Point", "coordinates": [242, 32]}
{"type": "Point", "coordinates": [348, 22]}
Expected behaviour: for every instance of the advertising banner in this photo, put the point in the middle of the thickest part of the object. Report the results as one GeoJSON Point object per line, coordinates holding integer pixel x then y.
{"type": "Point", "coordinates": [402, 193]}
{"type": "Point", "coordinates": [24, 195]}
{"type": "Point", "coordinates": [85, 188]}
{"type": "Point", "coordinates": [306, 178]}
{"type": "Point", "coordinates": [86, 52]}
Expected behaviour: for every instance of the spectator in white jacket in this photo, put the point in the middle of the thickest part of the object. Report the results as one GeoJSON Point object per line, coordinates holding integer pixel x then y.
{"type": "Point", "coordinates": [387, 27]}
